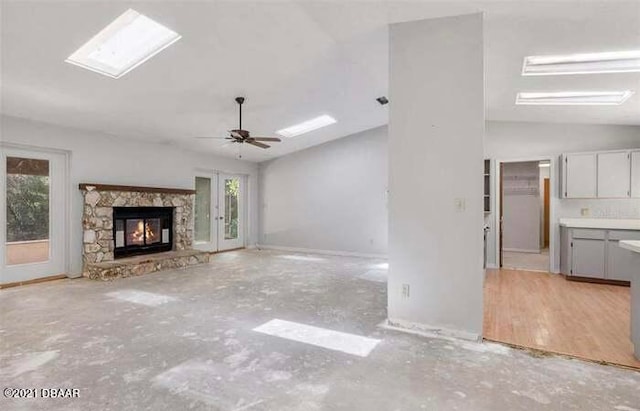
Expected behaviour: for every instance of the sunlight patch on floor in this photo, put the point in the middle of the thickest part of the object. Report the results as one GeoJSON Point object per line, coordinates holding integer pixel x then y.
{"type": "Point", "coordinates": [141, 297]}
{"type": "Point", "coordinates": [320, 337]}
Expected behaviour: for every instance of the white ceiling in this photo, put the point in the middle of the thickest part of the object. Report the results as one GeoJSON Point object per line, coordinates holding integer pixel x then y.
{"type": "Point", "coordinates": [292, 60]}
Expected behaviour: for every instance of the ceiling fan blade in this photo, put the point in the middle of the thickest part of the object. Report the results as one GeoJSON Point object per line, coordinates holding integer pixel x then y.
{"type": "Point", "coordinates": [213, 138]}
{"type": "Point", "coordinates": [255, 143]}
{"type": "Point", "coordinates": [265, 139]}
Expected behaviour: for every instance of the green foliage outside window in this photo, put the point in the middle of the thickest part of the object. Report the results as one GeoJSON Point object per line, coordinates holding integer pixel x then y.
{"type": "Point", "coordinates": [27, 207]}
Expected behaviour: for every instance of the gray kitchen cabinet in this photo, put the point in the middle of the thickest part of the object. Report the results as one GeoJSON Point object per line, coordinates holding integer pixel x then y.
{"type": "Point", "coordinates": [614, 178]}
{"type": "Point", "coordinates": [604, 174]}
{"type": "Point", "coordinates": [588, 253]}
{"type": "Point", "coordinates": [595, 253]}
{"type": "Point", "coordinates": [620, 262]}
{"type": "Point", "coordinates": [580, 175]}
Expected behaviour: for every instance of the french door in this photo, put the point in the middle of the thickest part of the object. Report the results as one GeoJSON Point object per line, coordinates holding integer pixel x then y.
{"type": "Point", "coordinates": [219, 211]}
{"type": "Point", "coordinates": [32, 214]}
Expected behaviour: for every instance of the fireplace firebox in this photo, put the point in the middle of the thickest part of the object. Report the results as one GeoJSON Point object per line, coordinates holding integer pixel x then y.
{"type": "Point", "coordinates": [142, 230]}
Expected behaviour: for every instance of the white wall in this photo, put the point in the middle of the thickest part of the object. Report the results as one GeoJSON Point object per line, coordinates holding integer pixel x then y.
{"type": "Point", "coordinates": [329, 197]}
{"type": "Point", "coordinates": [521, 206]}
{"type": "Point", "coordinates": [522, 141]}
{"type": "Point", "coordinates": [101, 158]}
{"type": "Point", "coordinates": [436, 130]}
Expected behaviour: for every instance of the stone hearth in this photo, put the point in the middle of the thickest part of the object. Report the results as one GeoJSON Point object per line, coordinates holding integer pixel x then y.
{"type": "Point", "coordinates": [98, 238]}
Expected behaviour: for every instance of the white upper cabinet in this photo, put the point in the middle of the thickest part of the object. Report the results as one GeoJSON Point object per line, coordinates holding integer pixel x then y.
{"type": "Point", "coordinates": [635, 174]}
{"type": "Point", "coordinates": [614, 175]}
{"type": "Point", "coordinates": [580, 175]}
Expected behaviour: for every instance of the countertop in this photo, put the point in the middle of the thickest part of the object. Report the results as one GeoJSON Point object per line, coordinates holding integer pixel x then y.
{"type": "Point", "coordinates": [631, 245]}
{"type": "Point", "coordinates": [601, 223]}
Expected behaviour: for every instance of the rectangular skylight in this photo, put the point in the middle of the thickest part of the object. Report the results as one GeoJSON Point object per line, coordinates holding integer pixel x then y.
{"type": "Point", "coordinates": [307, 126]}
{"type": "Point", "coordinates": [586, 63]}
{"type": "Point", "coordinates": [584, 98]}
{"type": "Point", "coordinates": [123, 45]}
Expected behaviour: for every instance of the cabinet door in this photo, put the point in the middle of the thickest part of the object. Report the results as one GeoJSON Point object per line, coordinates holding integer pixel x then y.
{"type": "Point", "coordinates": [635, 174]}
{"type": "Point", "coordinates": [614, 175]}
{"type": "Point", "coordinates": [621, 263]}
{"type": "Point", "coordinates": [588, 258]}
{"type": "Point", "coordinates": [580, 176]}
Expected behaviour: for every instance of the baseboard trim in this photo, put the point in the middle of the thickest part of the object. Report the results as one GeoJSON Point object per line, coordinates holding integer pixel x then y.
{"type": "Point", "coordinates": [429, 331]}
{"type": "Point", "coordinates": [521, 250]}
{"type": "Point", "coordinates": [34, 281]}
{"type": "Point", "coordinates": [316, 251]}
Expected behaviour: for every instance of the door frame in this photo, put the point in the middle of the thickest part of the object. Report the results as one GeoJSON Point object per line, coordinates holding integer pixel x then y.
{"type": "Point", "coordinates": [65, 201]}
{"type": "Point", "coordinates": [214, 175]}
{"type": "Point", "coordinates": [553, 189]}
{"type": "Point", "coordinates": [212, 245]}
{"type": "Point", "coordinates": [242, 205]}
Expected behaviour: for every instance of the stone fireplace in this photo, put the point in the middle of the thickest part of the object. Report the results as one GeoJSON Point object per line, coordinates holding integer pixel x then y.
{"type": "Point", "coordinates": [136, 230]}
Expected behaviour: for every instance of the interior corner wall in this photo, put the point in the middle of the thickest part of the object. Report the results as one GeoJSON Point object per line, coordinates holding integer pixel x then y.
{"type": "Point", "coordinates": [436, 132]}
{"type": "Point", "coordinates": [100, 158]}
{"type": "Point", "coordinates": [509, 141]}
{"type": "Point", "coordinates": [330, 197]}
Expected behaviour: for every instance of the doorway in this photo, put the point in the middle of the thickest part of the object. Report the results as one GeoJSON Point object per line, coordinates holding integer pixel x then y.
{"type": "Point", "coordinates": [33, 215]}
{"type": "Point", "coordinates": [525, 197]}
{"type": "Point", "coordinates": [219, 211]}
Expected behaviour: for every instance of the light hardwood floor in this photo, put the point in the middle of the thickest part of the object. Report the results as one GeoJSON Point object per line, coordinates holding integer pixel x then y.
{"type": "Point", "coordinates": [547, 312]}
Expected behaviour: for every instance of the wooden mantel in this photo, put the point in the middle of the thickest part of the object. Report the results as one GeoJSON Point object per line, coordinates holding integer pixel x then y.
{"type": "Point", "coordinates": [109, 187]}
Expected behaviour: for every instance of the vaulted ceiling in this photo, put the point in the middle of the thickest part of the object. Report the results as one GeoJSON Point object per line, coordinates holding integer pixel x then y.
{"type": "Point", "coordinates": [292, 60]}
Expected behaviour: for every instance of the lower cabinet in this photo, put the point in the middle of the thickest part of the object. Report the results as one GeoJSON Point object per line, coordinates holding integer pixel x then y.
{"type": "Point", "coordinates": [594, 253]}
{"type": "Point", "coordinates": [588, 258]}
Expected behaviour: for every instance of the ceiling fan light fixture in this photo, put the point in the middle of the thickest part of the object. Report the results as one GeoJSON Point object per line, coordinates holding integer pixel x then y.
{"type": "Point", "coordinates": [307, 126]}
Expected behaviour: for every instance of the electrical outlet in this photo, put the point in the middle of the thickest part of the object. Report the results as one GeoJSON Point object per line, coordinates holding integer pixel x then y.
{"type": "Point", "coordinates": [460, 204]}
{"type": "Point", "coordinates": [405, 290]}
{"type": "Point", "coordinates": [584, 212]}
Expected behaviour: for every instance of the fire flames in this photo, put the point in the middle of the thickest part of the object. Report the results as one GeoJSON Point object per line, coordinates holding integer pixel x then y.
{"type": "Point", "coordinates": [140, 231]}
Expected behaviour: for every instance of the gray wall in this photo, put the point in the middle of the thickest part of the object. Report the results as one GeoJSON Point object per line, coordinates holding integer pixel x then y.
{"type": "Point", "coordinates": [101, 158]}
{"type": "Point", "coordinates": [436, 131]}
{"type": "Point", "coordinates": [521, 204]}
{"type": "Point", "coordinates": [329, 197]}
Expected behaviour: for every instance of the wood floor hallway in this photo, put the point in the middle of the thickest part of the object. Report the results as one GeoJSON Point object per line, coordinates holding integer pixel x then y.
{"type": "Point", "coordinates": [546, 312]}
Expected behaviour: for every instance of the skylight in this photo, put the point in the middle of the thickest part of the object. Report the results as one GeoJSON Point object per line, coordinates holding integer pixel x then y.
{"type": "Point", "coordinates": [307, 126]}
{"type": "Point", "coordinates": [587, 63]}
{"type": "Point", "coordinates": [123, 45]}
{"type": "Point", "coordinates": [588, 98]}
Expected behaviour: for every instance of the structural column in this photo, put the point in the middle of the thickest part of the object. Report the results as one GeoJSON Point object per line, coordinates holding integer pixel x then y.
{"type": "Point", "coordinates": [436, 132]}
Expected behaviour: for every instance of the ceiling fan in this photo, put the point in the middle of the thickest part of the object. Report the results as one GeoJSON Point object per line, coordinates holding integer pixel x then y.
{"type": "Point", "coordinates": [241, 136]}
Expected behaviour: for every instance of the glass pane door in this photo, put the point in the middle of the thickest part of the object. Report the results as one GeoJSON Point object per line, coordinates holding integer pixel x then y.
{"type": "Point", "coordinates": [230, 207]}
{"type": "Point", "coordinates": [205, 223]}
{"type": "Point", "coordinates": [32, 214]}
{"type": "Point", "coordinates": [27, 210]}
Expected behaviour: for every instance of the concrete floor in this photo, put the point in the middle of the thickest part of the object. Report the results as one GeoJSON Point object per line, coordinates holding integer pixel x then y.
{"type": "Point", "coordinates": [183, 339]}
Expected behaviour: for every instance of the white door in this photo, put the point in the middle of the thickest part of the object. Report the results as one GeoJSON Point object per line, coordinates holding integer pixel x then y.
{"type": "Point", "coordinates": [614, 175]}
{"type": "Point", "coordinates": [219, 219]}
{"type": "Point", "coordinates": [205, 213]}
{"type": "Point", "coordinates": [32, 215]}
{"type": "Point", "coordinates": [580, 176]}
{"type": "Point", "coordinates": [230, 211]}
